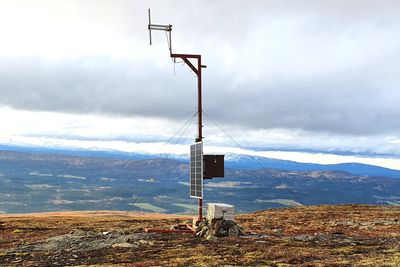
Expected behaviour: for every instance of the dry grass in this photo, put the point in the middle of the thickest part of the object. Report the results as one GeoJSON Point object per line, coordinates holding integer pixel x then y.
{"type": "Point", "coordinates": [356, 235]}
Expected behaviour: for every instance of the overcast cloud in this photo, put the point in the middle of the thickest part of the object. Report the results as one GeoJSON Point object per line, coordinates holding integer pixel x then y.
{"type": "Point", "coordinates": [315, 67]}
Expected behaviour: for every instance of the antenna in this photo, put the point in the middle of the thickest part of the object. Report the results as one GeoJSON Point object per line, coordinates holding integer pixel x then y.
{"type": "Point", "coordinates": [160, 27]}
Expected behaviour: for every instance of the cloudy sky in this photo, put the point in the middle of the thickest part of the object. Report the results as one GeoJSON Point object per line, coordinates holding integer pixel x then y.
{"type": "Point", "coordinates": [306, 76]}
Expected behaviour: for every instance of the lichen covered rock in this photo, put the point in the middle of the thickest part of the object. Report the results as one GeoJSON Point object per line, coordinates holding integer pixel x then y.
{"type": "Point", "coordinates": [219, 228]}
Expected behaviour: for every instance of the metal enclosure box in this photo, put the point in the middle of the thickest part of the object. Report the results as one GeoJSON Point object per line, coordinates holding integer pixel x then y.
{"type": "Point", "coordinates": [213, 166]}
{"type": "Point", "coordinates": [220, 210]}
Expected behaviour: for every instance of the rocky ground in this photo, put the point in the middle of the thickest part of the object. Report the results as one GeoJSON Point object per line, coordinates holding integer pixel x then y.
{"type": "Point", "coordinates": [349, 235]}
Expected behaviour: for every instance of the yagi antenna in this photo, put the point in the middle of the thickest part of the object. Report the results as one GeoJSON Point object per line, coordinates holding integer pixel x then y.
{"type": "Point", "coordinates": [159, 27]}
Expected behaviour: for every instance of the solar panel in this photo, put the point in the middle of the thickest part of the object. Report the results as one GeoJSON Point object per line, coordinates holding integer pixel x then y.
{"type": "Point", "coordinates": [196, 170]}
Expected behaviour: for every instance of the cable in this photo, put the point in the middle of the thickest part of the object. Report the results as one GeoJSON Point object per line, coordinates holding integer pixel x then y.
{"type": "Point", "coordinates": [187, 123]}
{"type": "Point", "coordinates": [180, 128]}
{"type": "Point", "coordinates": [144, 185]}
{"type": "Point", "coordinates": [168, 41]}
{"type": "Point", "coordinates": [117, 191]}
{"type": "Point", "coordinates": [136, 199]}
{"type": "Point", "coordinates": [254, 158]}
{"type": "Point", "coordinates": [179, 138]}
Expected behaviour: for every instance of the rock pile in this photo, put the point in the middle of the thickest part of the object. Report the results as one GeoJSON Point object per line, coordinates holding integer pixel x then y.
{"type": "Point", "coordinates": [211, 229]}
{"type": "Point", "coordinates": [87, 241]}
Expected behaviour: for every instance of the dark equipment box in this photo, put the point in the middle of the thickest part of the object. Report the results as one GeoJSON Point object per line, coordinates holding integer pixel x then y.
{"type": "Point", "coordinates": [213, 166]}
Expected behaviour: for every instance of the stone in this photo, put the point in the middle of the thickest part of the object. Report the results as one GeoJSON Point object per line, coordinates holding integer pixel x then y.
{"type": "Point", "coordinates": [219, 227]}
{"type": "Point", "coordinates": [202, 232]}
{"type": "Point", "coordinates": [277, 231]}
{"type": "Point", "coordinates": [304, 238]}
{"type": "Point", "coordinates": [227, 224]}
{"type": "Point", "coordinates": [212, 238]}
{"type": "Point", "coordinates": [216, 228]}
{"type": "Point", "coordinates": [233, 232]}
{"type": "Point", "coordinates": [124, 245]}
{"type": "Point", "coordinates": [145, 242]}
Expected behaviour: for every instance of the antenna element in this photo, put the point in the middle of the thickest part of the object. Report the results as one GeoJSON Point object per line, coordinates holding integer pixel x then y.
{"type": "Point", "coordinates": [149, 26]}
{"type": "Point", "coordinates": [160, 27]}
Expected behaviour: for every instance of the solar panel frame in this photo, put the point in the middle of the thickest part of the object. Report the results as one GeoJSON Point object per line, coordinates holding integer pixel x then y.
{"type": "Point", "coordinates": [196, 170]}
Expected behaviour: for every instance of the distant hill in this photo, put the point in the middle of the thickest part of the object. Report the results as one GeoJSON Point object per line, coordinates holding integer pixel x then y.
{"type": "Point", "coordinates": [234, 161]}
{"type": "Point", "coordinates": [32, 182]}
{"type": "Point", "coordinates": [251, 162]}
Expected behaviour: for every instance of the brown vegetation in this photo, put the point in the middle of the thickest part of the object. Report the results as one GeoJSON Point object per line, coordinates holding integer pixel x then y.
{"type": "Point", "coordinates": [356, 235]}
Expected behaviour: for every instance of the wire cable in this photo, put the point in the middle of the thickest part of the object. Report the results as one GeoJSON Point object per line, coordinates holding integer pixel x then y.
{"type": "Point", "coordinates": [188, 121]}
{"type": "Point", "coordinates": [180, 137]}
{"type": "Point", "coordinates": [254, 158]}
{"type": "Point", "coordinates": [186, 124]}
{"type": "Point", "coordinates": [144, 185]}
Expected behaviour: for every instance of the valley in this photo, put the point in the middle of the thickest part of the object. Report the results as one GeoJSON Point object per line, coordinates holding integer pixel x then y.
{"type": "Point", "coordinates": [52, 182]}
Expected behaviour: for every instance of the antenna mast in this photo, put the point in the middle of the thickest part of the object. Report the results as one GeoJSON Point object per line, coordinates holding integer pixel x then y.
{"type": "Point", "coordinates": [196, 68]}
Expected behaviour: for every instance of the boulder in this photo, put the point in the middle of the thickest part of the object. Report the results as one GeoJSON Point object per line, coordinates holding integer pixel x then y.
{"type": "Point", "coordinates": [234, 231]}
{"type": "Point", "coordinates": [212, 238]}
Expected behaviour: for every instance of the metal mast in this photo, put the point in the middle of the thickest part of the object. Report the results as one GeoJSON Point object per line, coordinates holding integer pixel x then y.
{"type": "Point", "coordinates": [196, 68]}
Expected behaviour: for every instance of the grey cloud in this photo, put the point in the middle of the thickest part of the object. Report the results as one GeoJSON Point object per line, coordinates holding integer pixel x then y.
{"type": "Point", "coordinates": [109, 88]}
{"type": "Point", "coordinates": [328, 66]}
{"type": "Point", "coordinates": [337, 104]}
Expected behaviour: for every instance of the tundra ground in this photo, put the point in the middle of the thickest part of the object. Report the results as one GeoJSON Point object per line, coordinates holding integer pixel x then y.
{"type": "Point", "coordinates": [346, 235]}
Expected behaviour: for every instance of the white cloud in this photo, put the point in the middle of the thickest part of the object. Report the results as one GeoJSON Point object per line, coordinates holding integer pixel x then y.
{"type": "Point", "coordinates": [19, 126]}
{"type": "Point", "coordinates": [304, 75]}
{"type": "Point", "coordinates": [182, 150]}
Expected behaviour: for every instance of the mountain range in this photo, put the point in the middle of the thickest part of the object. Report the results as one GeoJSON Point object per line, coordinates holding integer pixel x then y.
{"type": "Point", "coordinates": [43, 181]}
{"type": "Point", "coordinates": [234, 161]}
